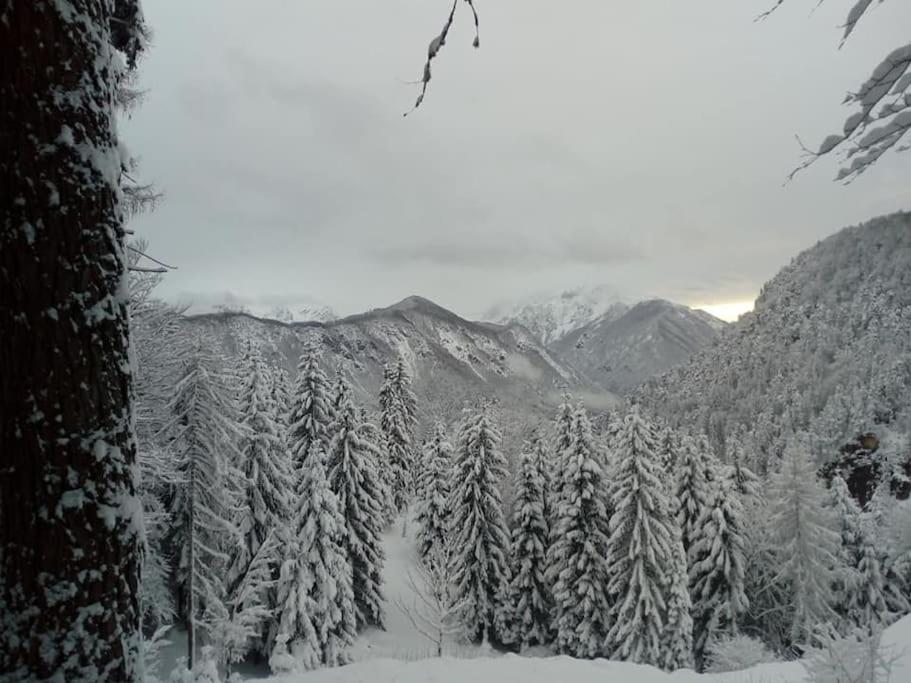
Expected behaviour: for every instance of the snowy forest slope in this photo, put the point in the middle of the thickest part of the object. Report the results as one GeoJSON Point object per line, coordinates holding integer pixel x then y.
{"type": "Point", "coordinates": [826, 353]}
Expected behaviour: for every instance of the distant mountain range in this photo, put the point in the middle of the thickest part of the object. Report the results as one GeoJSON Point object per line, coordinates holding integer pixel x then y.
{"type": "Point", "coordinates": [619, 350]}
{"type": "Point", "coordinates": [454, 362]}
{"type": "Point", "coordinates": [551, 316]}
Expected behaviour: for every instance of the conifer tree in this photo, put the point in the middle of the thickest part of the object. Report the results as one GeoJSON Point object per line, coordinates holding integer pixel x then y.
{"type": "Point", "coordinates": [398, 419]}
{"type": "Point", "coordinates": [316, 620]}
{"type": "Point", "coordinates": [640, 549]}
{"type": "Point", "coordinates": [807, 545]}
{"type": "Point", "coordinates": [354, 478]}
{"type": "Point", "coordinates": [202, 506]}
{"type": "Point", "coordinates": [529, 591]}
{"type": "Point", "coordinates": [434, 512]}
{"type": "Point", "coordinates": [576, 562]}
{"type": "Point", "coordinates": [480, 541]}
{"type": "Point", "coordinates": [862, 594]}
{"type": "Point", "coordinates": [265, 484]}
{"type": "Point", "coordinates": [716, 575]}
{"type": "Point", "coordinates": [692, 490]}
{"type": "Point", "coordinates": [562, 439]}
{"type": "Point", "coordinates": [311, 408]}
{"type": "Point", "coordinates": [678, 626]}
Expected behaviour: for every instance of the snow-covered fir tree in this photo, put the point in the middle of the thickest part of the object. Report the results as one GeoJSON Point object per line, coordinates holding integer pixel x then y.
{"type": "Point", "coordinates": [716, 573]}
{"type": "Point", "coordinates": [353, 473]}
{"type": "Point", "coordinates": [281, 393]}
{"type": "Point", "coordinates": [316, 618]}
{"type": "Point", "coordinates": [433, 507]}
{"type": "Point", "coordinates": [641, 548]}
{"type": "Point", "coordinates": [862, 591]}
{"type": "Point", "coordinates": [678, 625]}
{"type": "Point", "coordinates": [205, 433]}
{"type": "Point", "coordinates": [803, 531]}
{"type": "Point", "coordinates": [692, 489]}
{"type": "Point", "coordinates": [398, 419]}
{"type": "Point", "coordinates": [266, 484]}
{"type": "Point", "coordinates": [577, 557]}
{"type": "Point", "coordinates": [311, 408]}
{"type": "Point", "coordinates": [529, 591]}
{"type": "Point", "coordinates": [479, 560]}
{"type": "Point", "coordinates": [561, 440]}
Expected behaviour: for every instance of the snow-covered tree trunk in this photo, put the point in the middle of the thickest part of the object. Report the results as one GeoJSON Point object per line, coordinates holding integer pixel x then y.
{"type": "Point", "coordinates": [70, 519]}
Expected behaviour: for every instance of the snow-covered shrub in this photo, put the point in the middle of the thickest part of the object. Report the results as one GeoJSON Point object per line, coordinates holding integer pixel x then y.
{"type": "Point", "coordinates": [735, 653]}
{"type": "Point", "coordinates": [205, 670]}
{"type": "Point", "coordinates": [858, 657]}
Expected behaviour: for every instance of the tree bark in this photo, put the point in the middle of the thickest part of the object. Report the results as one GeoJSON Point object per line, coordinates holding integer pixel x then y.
{"type": "Point", "coordinates": [70, 520]}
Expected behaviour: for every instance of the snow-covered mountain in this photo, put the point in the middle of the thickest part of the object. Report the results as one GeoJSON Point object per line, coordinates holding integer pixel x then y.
{"type": "Point", "coordinates": [825, 355]}
{"type": "Point", "coordinates": [554, 315]}
{"type": "Point", "coordinates": [282, 309]}
{"type": "Point", "coordinates": [618, 352]}
{"type": "Point", "coordinates": [452, 360]}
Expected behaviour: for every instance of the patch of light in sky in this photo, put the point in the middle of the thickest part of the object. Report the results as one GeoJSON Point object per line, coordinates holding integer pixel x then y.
{"type": "Point", "coordinates": [728, 311]}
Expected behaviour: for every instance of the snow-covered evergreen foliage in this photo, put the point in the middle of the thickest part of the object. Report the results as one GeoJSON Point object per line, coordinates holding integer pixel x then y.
{"type": "Point", "coordinates": [862, 591]}
{"type": "Point", "coordinates": [354, 478]}
{"type": "Point", "coordinates": [266, 484]}
{"type": "Point", "coordinates": [398, 419]}
{"type": "Point", "coordinates": [204, 433]}
{"type": "Point", "coordinates": [807, 544]}
{"type": "Point", "coordinates": [479, 560]}
{"type": "Point", "coordinates": [532, 602]}
{"type": "Point", "coordinates": [693, 489]}
{"type": "Point", "coordinates": [311, 408]}
{"type": "Point", "coordinates": [433, 509]}
{"type": "Point", "coordinates": [316, 619]}
{"type": "Point", "coordinates": [576, 561]}
{"type": "Point", "coordinates": [716, 574]}
{"type": "Point", "coordinates": [678, 625]}
{"type": "Point", "coordinates": [641, 547]}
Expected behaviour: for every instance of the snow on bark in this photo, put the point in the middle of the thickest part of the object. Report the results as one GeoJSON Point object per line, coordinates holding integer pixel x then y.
{"type": "Point", "coordinates": [69, 604]}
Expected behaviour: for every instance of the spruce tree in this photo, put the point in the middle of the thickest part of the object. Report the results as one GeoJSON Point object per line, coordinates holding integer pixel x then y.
{"type": "Point", "coordinates": [562, 439]}
{"type": "Point", "coordinates": [529, 591]}
{"type": "Point", "coordinates": [265, 483]}
{"type": "Point", "coordinates": [398, 419]}
{"type": "Point", "coordinates": [354, 478]}
{"type": "Point", "coordinates": [716, 575]}
{"type": "Point", "coordinates": [480, 541]}
{"type": "Point", "coordinates": [678, 626]}
{"type": "Point", "coordinates": [641, 548]}
{"type": "Point", "coordinates": [576, 561]}
{"type": "Point", "coordinates": [433, 510]}
{"type": "Point", "coordinates": [316, 619]}
{"type": "Point", "coordinates": [692, 490]}
{"type": "Point", "coordinates": [806, 543]}
{"type": "Point", "coordinates": [205, 432]}
{"type": "Point", "coordinates": [862, 594]}
{"type": "Point", "coordinates": [311, 408]}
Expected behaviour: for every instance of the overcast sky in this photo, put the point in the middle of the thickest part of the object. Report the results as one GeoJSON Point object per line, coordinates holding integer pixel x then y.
{"type": "Point", "coordinates": [638, 144]}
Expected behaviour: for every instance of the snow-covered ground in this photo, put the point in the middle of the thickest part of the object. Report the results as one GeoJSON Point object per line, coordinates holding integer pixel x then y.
{"type": "Point", "coordinates": [400, 654]}
{"type": "Point", "coordinates": [516, 669]}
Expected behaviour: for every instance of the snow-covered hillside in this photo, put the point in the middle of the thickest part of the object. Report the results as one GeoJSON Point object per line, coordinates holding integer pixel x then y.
{"type": "Point", "coordinates": [826, 352]}
{"type": "Point", "coordinates": [620, 352]}
{"type": "Point", "coordinates": [552, 315]}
